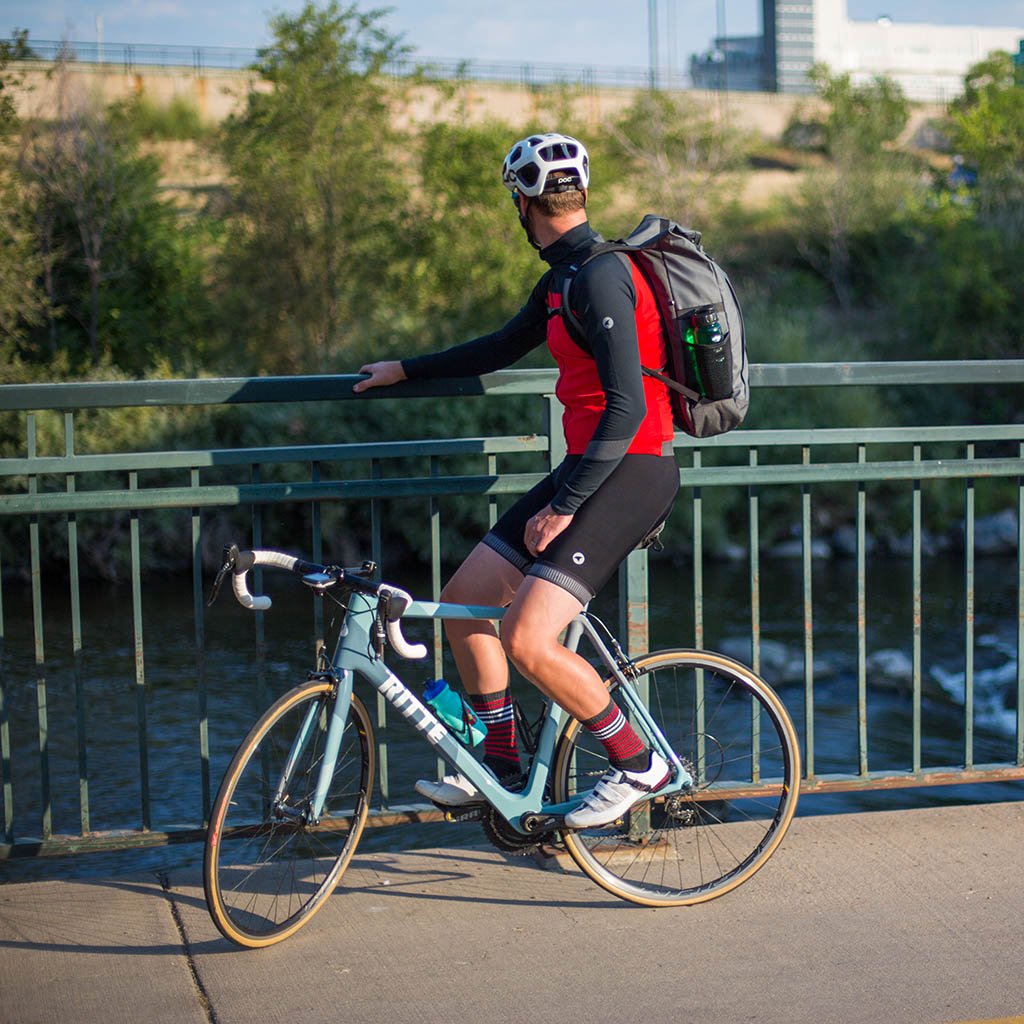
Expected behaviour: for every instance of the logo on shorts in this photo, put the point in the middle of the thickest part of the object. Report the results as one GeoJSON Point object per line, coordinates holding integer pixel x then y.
{"type": "Point", "coordinates": [607, 323]}
{"type": "Point", "coordinates": [578, 557]}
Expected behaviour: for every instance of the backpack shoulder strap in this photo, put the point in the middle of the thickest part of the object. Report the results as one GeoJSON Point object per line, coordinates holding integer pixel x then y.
{"type": "Point", "coordinates": [572, 321]}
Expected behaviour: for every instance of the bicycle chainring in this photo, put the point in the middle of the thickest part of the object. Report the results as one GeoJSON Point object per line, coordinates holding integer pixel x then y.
{"type": "Point", "coordinates": [505, 838]}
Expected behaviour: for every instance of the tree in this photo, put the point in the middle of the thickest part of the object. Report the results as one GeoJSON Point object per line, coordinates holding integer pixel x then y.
{"type": "Point", "coordinates": [20, 302]}
{"type": "Point", "coordinates": [964, 296]}
{"type": "Point", "coordinates": [11, 50]}
{"type": "Point", "coordinates": [122, 280]}
{"type": "Point", "coordinates": [683, 160]}
{"type": "Point", "coordinates": [865, 183]}
{"type": "Point", "coordinates": [988, 131]}
{"type": "Point", "coordinates": [320, 181]}
{"type": "Point", "coordinates": [472, 266]}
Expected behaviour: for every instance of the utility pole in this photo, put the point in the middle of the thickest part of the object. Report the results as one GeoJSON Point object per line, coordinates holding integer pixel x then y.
{"type": "Point", "coordinates": [652, 40]}
{"type": "Point", "coordinates": [723, 80]}
{"type": "Point", "coordinates": [670, 43]}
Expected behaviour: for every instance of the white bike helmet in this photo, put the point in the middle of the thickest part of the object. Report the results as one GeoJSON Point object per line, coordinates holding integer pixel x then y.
{"type": "Point", "coordinates": [546, 163]}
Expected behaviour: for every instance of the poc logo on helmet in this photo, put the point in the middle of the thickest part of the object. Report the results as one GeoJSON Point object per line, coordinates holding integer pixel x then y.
{"type": "Point", "coordinates": [566, 181]}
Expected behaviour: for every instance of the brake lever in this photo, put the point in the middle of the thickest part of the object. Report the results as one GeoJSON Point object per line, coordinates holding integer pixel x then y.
{"type": "Point", "coordinates": [230, 561]}
{"type": "Point", "coordinates": [379, 634]}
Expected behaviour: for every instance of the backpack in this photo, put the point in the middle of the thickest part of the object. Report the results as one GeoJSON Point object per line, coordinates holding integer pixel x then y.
{"type": "Point", "coordinates": [684, 280]}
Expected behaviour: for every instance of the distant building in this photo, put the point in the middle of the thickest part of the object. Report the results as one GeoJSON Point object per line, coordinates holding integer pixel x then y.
{"type": "Point", "coordinates": [928, 61]}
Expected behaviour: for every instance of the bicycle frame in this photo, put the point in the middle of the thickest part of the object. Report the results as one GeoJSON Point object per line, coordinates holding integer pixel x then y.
{"type": "Point", "coordinates": [355, 653]}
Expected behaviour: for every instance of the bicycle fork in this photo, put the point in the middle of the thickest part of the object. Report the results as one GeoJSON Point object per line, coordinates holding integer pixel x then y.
{"type": "Point", "coordinates": [310, 815]}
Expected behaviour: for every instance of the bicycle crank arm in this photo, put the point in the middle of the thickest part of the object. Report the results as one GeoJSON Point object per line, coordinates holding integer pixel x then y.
{"type": "Point", "coordinates": [537, 824]}
{"type": "Point", "coordinates": [470, 812]}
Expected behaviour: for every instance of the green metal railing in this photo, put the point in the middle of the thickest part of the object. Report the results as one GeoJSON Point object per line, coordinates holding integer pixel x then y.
{"type": "Point", "coordinates": [49, 492]}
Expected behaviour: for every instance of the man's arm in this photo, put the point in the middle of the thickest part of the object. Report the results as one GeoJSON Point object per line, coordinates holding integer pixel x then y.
{"type": "Point", "coordinates": [490, 352]}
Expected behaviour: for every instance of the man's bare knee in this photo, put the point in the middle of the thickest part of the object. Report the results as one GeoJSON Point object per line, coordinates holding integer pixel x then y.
{"type": "Point", "coordinates": [515, 642]}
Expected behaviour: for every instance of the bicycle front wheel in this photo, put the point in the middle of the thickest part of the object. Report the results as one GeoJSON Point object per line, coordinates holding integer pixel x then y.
{"type": "Point", "coordinates": [268, 868]}
{"type": "Point", "coordinates": [736, 739]}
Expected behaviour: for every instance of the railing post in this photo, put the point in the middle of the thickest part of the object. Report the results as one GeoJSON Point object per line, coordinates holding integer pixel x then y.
{"type": "Point", "coordinates": [1020, 614]}
{"type": "Point", "coordinates": [6, 782]}
{"type": "Point", "coordinates": [634, 603]}
{"type": "Point", "coordinates": [76, 635]}
{"type": "Point", "coordinates": [807, 554]}
{"type": "Point", "coordinates": [42, 711]}
{"type": "Point", "coordinates": [199, 620]}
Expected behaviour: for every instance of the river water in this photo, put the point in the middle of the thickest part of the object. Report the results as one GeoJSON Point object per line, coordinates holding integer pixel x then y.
{"type": "Point", "coordinates": [232, 672]}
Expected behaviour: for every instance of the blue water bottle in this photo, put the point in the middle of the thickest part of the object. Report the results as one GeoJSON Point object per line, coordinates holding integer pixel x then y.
{"type": "Point", "coordinates": [455, 712]}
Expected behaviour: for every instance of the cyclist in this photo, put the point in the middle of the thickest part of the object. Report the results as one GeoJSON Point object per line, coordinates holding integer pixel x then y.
{"type": "Point", "coordinates": [551, 552]}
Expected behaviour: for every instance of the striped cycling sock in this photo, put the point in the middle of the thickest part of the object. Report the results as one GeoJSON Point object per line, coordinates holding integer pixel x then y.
{"type": "Point", "coordinates": [495, 710]}
{"type": "Point", "coordinates": [626, 750]}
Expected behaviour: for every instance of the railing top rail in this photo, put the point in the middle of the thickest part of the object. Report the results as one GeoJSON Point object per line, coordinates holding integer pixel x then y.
{"type": "Point", "coordinates": [228, 58]}
{"type": "Point", "coordinates": [338, 387]}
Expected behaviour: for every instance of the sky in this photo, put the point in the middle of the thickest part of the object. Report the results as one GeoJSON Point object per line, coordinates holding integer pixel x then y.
{"type": "Point", "coordinates": [598, 32]}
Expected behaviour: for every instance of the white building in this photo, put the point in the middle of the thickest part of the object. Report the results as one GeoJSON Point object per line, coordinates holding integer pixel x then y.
{"type": "Point", "coordinates": [928, 61]}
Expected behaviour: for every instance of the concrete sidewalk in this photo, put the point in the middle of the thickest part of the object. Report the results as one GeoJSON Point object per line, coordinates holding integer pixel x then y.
{"type": "Point", "coordinates": [904, 917]}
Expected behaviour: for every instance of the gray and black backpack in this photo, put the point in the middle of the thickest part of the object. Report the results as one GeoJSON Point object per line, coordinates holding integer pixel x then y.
{"type": "Point", "coordinates": [686, 283]}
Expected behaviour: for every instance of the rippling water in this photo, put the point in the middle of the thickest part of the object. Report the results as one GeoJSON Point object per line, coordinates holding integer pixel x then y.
{"type": "Point", "coordinates": [233, 680]}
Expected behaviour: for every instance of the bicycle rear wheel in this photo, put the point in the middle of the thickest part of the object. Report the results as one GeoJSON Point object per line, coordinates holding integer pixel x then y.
{"type": "Point", "coordinates": [735, 737]}
{"type": "Point", "coordinates": [266, 869]}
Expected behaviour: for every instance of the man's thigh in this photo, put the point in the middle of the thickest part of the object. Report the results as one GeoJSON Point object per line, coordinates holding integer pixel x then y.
{"type": "Point", "coordinates": [485, 577]}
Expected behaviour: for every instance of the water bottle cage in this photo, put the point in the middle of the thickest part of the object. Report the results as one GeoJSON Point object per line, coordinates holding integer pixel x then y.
{"type": "Point", "coordinates": [527, 731]}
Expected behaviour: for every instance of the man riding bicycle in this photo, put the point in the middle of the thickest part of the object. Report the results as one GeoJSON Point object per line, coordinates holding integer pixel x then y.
{"type": "Point", "coordinates": [550, 553]}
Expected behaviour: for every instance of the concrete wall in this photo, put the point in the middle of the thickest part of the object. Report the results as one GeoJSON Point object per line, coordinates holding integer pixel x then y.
{"type": "Point", "coordinates": [214, 93]}
{"type": "Point", "coordinates": [217, 93]}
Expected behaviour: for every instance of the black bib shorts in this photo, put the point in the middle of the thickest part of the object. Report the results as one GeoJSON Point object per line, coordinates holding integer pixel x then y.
{"type": "Point", "coordinates": [615, 519]}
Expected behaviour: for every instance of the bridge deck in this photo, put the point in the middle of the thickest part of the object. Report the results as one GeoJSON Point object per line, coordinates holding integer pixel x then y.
{"type": "Point", "coordinates": [897, 916]}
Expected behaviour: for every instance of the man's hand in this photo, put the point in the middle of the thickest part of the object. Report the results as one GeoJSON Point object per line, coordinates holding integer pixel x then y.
{"type": "Point", "coordinates": [543, 528]}
{"type": "Point", "coordinates": [381, 375]}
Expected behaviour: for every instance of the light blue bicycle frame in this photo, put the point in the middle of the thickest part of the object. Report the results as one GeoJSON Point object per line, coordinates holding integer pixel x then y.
{"type": "Point", "coordinates": [355, 654]}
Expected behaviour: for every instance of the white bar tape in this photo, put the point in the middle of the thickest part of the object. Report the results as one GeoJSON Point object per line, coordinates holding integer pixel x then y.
{"type": "Point", "coordinates": [239, 583]}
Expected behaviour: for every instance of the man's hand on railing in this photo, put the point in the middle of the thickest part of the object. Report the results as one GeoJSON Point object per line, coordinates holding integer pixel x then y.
{"type": "Point", "coordinates": [381, 374]}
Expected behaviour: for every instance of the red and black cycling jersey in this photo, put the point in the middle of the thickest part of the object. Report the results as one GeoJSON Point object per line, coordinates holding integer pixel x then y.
{"type": "Point", "coordinates": [611, 408]}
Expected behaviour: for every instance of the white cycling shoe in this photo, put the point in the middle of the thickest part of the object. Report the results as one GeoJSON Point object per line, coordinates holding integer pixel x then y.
{"type": "Point", "coordinates": [452, 791]}
{"type": "Point", "coordinates": [617, 791]}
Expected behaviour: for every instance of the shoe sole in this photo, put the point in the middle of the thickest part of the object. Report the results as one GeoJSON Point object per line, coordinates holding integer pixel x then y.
{"type": "Point", "coordinates": [471, 802]}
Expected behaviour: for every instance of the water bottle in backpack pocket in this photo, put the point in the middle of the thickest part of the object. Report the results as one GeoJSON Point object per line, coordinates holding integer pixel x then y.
{"type": "Point", "coordinates": [708, 355]}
